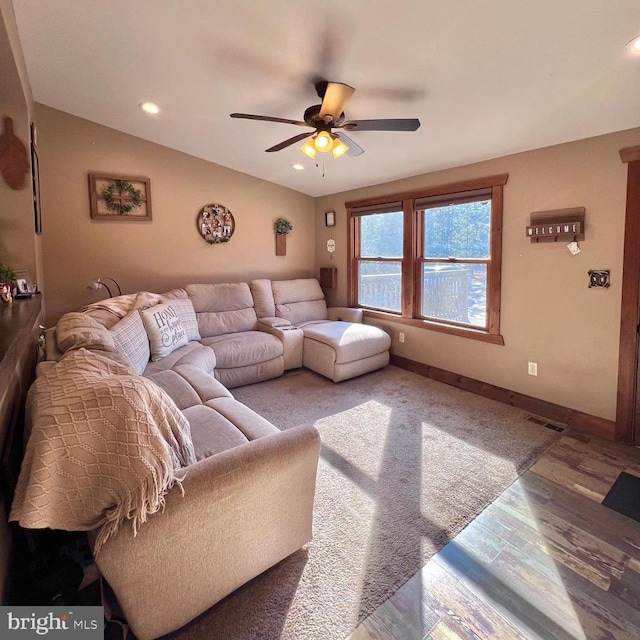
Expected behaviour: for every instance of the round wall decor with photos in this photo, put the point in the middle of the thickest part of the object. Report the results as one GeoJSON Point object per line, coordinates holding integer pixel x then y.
{"type": "Point", "coordinates": [216, 223]}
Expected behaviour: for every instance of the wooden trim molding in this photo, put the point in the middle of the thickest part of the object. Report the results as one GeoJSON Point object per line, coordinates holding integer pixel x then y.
{"type": "Point", "coordinates": [630, 154]}
{"type": "Point", "coordinates": [460, 331]}
{"type": "Point", "coordinates": [440, 190]}
{"type": "Point", "coordinates": [629, 313]}
{"type": "Point", "coordinates": [557, 413]}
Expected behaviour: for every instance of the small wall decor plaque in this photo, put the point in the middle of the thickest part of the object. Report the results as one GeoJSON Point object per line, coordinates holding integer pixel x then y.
{"type": "Point", "coordinates": [599, 278]}
{"type": "Point", "coordinates": [216, 223]}
{"type": "Point", "coordinates": [119, 197]}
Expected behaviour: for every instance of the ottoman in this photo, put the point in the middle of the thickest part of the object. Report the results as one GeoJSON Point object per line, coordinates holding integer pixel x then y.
{"type": "Point", "coordinates": [343, 350]}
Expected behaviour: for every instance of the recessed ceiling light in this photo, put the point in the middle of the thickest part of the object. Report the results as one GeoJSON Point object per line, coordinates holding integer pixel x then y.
{"type": "Point", "coordinates": [297, 166]}
{"type": "Point", "coordinates": [150, 107]}
{"type": "Point", "coordinates": [634, 46]}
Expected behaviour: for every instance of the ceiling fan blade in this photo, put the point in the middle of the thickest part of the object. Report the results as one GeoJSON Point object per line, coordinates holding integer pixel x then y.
{"type": "Point", "coordinates": [249, 116]}
{"type": "Point", "coordinates": [335, 99]}
{"type": "Point", "coordinates": [289, 142]}
{"type": "Point", "coordinates": [397, 124]}
{"type": "Point", "coordinates": [354, 148]}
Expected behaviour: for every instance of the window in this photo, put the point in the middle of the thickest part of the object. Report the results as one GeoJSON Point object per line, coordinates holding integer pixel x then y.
{"type": "Point", "coordinates": [431, 258]}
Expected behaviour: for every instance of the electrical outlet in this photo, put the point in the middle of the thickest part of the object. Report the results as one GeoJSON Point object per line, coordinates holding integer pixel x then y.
{"type": "Point", "coordinates": [401, 337]}
{"type": "Point", "coordinates": [533, 368]}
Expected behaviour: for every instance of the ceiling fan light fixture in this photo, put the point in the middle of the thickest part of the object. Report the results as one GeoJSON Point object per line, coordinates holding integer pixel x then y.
{"type": "Point", "coordinates": [323, 141]}
{"type": "Point", "coordinates": [338, 149]}
{"type": "Point", "coordinates": [309, 149]}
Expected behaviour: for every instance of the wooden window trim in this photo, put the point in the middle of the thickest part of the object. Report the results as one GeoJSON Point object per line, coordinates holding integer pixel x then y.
{"type": "Point", "coordinates": [411, 264]}
{"type": "Point", "coordinates": [462, 332]}
{"type": "Point", "coordinates": [452, 187]}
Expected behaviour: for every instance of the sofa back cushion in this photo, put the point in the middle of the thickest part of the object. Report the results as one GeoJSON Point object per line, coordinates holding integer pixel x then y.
{"type": "Point", "coordinates": [299, 300]}
{"type": "Point", "coordinates": [263, 298]}
{"type": "Point", "coordinates": [187, 315]}
{"type": "Point", "coordinates": [223, 308]}
{"type": "Point", "coordinates": [131, 341]}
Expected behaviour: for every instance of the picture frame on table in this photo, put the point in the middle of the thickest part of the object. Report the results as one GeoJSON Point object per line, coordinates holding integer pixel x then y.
{"type": "Point", "coordinates": [330, 219]}
{"type": "Point", "coordinates": [23, 285]}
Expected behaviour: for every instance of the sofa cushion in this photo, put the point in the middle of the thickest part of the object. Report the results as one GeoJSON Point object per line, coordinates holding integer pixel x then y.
{"type": "Point", "coordinates": [349, 340]}
{"type": "Point", "coordinates": [177, 388]}
{"type": "Point", "coordinates": [131, 341]}
{"type": "Point", "coordinates": [186, 313]}
{"type": "Point", "coordinates": [244, 348]}
{"type": "Point", "coordinates": [299, 300]}
{"type": "Point", "coordinates": [193, 353]}
{"type": "Point", "coordinates": [211, 432]}
{"type": "Point", "coordinates": [205, 385]}
{"type": "Point", "coordinates": [164, 328]}
{"type": "Point", "coordinates": [246, 420]}
{"type": "Point", "coordinates": [223, 308]}
{"type": "Point", "coordinates": [79, 331]}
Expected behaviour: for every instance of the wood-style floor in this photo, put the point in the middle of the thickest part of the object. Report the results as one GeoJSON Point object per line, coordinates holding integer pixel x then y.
{"type": "Point", "coordinates": [546, 560]}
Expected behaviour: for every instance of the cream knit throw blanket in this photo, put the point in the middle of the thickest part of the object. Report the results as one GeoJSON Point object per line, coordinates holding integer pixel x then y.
{"type": "Point", "coordinates": [103, 447]}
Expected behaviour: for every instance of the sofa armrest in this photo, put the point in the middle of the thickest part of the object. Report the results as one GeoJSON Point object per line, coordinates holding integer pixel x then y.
{"type": "Point", "coordinates": [348, 314]}
{"type": "Point", "coordinates": [292, 339]}
{"type": "Point", "coordinates": [243, 510]}
{"type": "Point", "coordinates": [274, 322]}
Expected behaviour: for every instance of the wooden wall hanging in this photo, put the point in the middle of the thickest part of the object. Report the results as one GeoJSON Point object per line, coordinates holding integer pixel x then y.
{"type": "Point", "coordinates": [119, 197]}
{"type": "Point", "coordinates": [560, 224]}
{"type": "Point", "coordinates": [14, 161]}
{"type": "Point", "coordinates": [216, 223]}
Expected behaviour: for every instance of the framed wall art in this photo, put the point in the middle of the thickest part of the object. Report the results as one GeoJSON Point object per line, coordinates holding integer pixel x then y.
{"type": "Point", "coordinates": [216, 223]}
{"type": "Point", "coordinates": [330, 219]}
{"type": "Point", "coordinates": [114, 197]}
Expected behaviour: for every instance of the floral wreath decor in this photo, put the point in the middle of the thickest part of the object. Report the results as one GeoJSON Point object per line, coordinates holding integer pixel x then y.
{"type": "Point", "coordinates": [122, 197]}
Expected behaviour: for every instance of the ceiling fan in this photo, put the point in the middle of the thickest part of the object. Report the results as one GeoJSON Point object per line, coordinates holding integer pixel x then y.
{"type": "Point", "coordinates": [329, 115]}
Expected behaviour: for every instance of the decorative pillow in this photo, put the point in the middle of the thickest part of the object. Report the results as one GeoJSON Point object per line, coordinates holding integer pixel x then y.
{"type": "Point", "coordinates": [164, 328]}
{"type": "Point", "coordinates": [187, 315]}
{"type": "Point", "coordinates": [131, 341]}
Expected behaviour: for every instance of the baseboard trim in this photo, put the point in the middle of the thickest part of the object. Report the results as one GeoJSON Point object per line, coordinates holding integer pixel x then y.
{"type": "Point", "coordinates": [557, 413]}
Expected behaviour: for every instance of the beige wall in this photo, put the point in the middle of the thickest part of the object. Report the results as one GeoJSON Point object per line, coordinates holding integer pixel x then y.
{"type": "Point", "coordinates": [168, 251]}
{"type": "Point", "coordinates": [549, 315]}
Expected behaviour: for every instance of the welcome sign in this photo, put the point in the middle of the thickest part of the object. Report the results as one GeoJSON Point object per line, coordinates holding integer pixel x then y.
{"type": "Point", "coordinates": [561, 224]}
{"type": "Point", "coordinates": [555, 229]}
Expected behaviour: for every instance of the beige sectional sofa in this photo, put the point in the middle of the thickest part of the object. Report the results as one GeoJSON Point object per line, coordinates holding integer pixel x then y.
{"type": "Point", "coordinates": [236, 496]}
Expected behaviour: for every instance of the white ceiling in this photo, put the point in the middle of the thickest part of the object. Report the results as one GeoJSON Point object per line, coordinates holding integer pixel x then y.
{"type": "Point", "coordinates": [485, 79]}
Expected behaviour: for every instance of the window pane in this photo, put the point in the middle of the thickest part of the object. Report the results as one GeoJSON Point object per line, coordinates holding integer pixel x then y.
{"type": "Point", "coordinates": [458, 230]}
{"type": "Point", "coordinates": [381, 235]}
{"type": "Point", "coordinates": [380, 285]}
{"type": "Point", "coordinates": [456, 292]}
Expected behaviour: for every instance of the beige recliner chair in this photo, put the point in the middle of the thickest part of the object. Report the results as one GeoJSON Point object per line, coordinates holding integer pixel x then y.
{"type": "Point", "coordinates": [330, 341]}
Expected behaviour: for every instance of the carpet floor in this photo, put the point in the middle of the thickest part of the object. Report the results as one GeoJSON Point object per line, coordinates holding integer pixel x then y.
{"type": "Point", "coordinates": [406, 463]}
